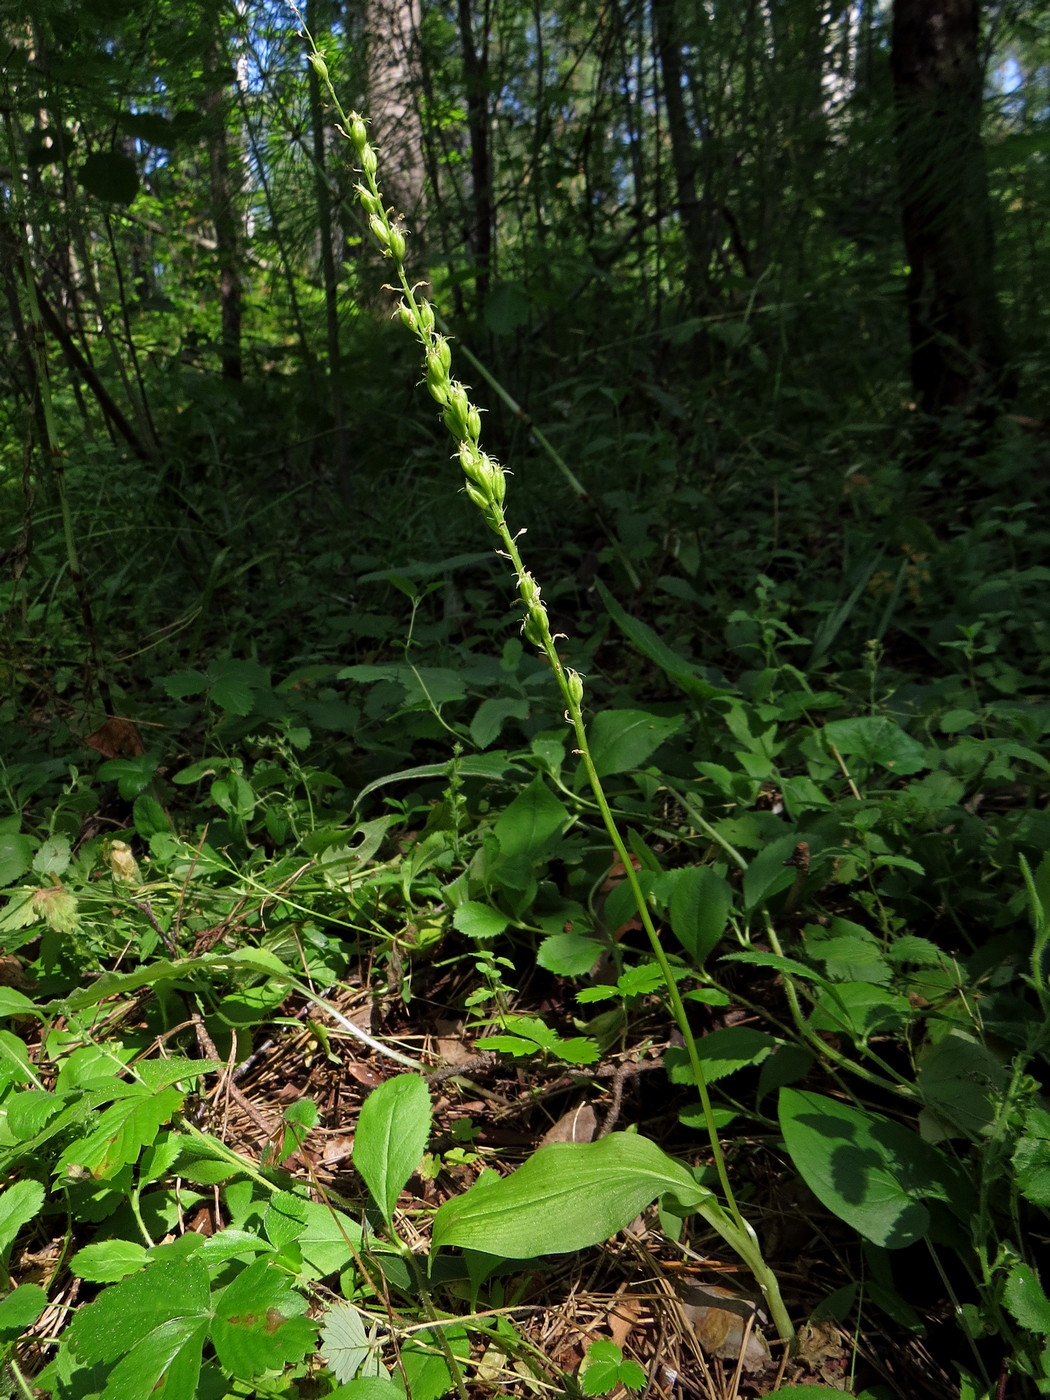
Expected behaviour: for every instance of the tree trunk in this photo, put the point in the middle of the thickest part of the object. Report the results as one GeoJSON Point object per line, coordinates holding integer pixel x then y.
{"type": "Point", "coordinates": [958, 347]}
{"type": "Point", "coordinates": [394, 82]}
{"type": "Point", "coordinates": [684, 149]}
{"type": "Point", "coordinates": [224, 214]}
{"type": "Point", "coordinates": [475, 71]}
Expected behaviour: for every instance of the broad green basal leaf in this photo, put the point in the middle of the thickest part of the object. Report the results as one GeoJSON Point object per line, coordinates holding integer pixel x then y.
{"type": "Point", "coordinates": [391, 1137]}
{"type": "Point", "coordinates": [565, 1197]}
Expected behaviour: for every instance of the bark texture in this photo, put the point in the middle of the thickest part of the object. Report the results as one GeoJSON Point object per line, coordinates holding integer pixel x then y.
{"type": "Point", "coordinates": [958, 347]}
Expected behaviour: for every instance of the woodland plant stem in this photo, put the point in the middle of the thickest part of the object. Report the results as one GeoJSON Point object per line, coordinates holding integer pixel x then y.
{"type": "Point", "coordinates": [575, 485]}
{"type": "Point", "coordinates": [889, 1078]}
{"type": "Point", "coordinates": [485, 484]}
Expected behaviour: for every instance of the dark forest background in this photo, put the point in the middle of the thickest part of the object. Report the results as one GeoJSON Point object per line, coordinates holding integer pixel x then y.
{"type": "Point", "coordinates": [753, 297]}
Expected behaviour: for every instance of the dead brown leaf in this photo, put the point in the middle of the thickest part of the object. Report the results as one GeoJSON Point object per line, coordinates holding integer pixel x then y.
{"type": "Point", "coordinates": [720, 1318]}
{"type": "Point", "coordinates": [578, 1125]}
{"type": "Point", "coordinates": [116, 738]}
{"type": "Point", "coordinates": [623, 1318]}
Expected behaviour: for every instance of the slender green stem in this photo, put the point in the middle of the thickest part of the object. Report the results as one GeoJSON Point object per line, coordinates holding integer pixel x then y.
{"type": "Point", "coordinates": [20, 1380]}
{"type": "Point", "coordinates": [136, 1209]}
{"type": "Point", "coordinates": [575, 485]}
{"type": "Point", "coordinates": [485, 484]}
{"type": "Point", "coordinates": [423, 1291]}
{"type": "Point", "coordinates": [890, 1078]}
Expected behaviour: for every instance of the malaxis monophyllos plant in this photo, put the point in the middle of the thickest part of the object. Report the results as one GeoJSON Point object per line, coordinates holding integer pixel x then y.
{"type": "Point", "coordinates": [485, 483]}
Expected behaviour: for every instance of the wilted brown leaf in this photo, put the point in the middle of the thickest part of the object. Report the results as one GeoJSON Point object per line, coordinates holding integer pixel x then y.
{"type": "Point", "coordinates": [720, 1326]}
{"type": "Point", "coordinates": [578, 1125]}
{"type": "Point", "coordinates": [116, 738]}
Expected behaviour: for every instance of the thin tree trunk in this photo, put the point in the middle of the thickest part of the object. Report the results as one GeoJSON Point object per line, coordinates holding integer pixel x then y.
{"type": "Point", "coordinates": [684, 149]}
{"type": "Point", "coordinates": [224, 217]}
{"type": "Point", "coordinates": [475, 69]}
{"type": "Point", "coordinates": [394, 81]}
{"type": "Point", "coordinates": [958, 347]}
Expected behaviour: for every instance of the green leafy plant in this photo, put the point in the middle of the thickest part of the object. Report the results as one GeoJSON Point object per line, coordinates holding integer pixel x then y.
{"type": "Point", "coordinates": [485, 485]}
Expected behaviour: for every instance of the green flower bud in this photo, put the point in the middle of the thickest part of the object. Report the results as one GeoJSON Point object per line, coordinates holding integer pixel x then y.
{"type": "Point", "coordinates": [473, 424]}
{"type": "Point", "coordinates": [439, 387]}
{"type": "Point", "coordinates": [472, 462]}
{"type": "Point", "coordinates": [456, 412]}
{"type": "Point", "coordinates": [397, 244]}
{"type": "Point", "coordinates": [369, 203]}
{"type": "Point", "coordinates": [379, 230]}
{"type": "Point", "coordinates": [369, 160]}
{"type": "Point", "coordinates": [358, 131]}
{"type": "Point", "coordinates": [574, 686]}
{"type": "Point", "coordinates": [437, 365]}
{"type": "Point", "coordinates": [528, 589]}
{"type": "Point", "coordinates": [439, 346]}
{"type": "Point", "coordinates": [408, 319]}
{"type": "Point", "coordinates": [319, 66]}
{"type": "Point", "coordinates": [485, 474]}
{"type": "Point", "coordinates": [535, 627]}
{"type": "Point", "coordinates": [426, 317]}
{"type": "Point", "coordinates": [477, 495]}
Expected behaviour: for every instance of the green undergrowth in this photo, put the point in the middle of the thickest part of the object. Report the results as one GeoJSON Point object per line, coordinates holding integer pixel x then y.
{"type": "Point", "coordinates": [816, 693]}
{"type": "Point", "coordinates": [891, 830]}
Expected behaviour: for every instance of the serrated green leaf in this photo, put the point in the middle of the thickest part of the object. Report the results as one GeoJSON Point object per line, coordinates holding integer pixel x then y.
{"type": "Point", "coordinates": [52, 857]}
{"type": "Point", "coordinates": [566, 1196]}
{"type": "Point", "coordinates": [961, 1081]}
{"type": "Point", "coordinates": [600, 1368]}
{"type": "Point", "coordinates": [109, 1261]}
{"type": "Point", "coordinates": [876, 739]}
{"type": "Point", "coordinates": [19, 1309]}
{"type": "Point", "coordinates": [569, 954]}
{"type": "Point", "coordinates": [721, 1052]}
{"type": "Point", "coordinates": [169, 1297]}
{"type": "Point", "coordinates": [368, 1388]}
{"type": "Point", "coordinates": [699, 910]}
{"type": "Point", "coordinates": [259, 1323]}
{"type": "Point", "coordinates": [1026, 1301]}
{"type": "Point", "coordinates": [477, 920]}
{"type": "Point", "coordinates": [858, 1009]}
{"type": "Point", "coordinates": [508, 1044]}
{"type": "Point", "coordinates": [120, 1134]}
{"type": "Point", "coordinates": [232, 695]}
{"type": "Point", "coordinates": [1031, 1159]}
{"type": "Point", "coordinates": [774, 960]}
{"type": "Point", "coordinates": [149, 816]}
{"type": "Point", "coordinates": [159, 1074]}
{"type": "Point", "coordinates": [184, 684]}
{"type": "Point", "coordinates": [20, 1202]}
{"type": "Point", "coordinates": [131, 775]}
{"type": "Point", "coordinates": [16, 856]}
{"type": "Point", "coordinates": [19, 913]}
{"type": "Point", "coordinates": [909, 948]}
{"type": "Point", "coordinates": [391, 1137]}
